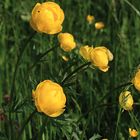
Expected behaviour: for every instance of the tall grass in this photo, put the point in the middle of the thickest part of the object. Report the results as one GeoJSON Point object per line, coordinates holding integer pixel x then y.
{"type": "Point", "coordinates": [92, 109]}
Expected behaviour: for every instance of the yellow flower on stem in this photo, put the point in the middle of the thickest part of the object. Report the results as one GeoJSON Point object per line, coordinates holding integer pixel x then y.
{"type": "Point", "coordinates": [136, 80]}
{"type": "Point", "coordinates": [99, 25]}
{"type": "Point", "coordinates": [90, 19]}
{"type": "Point", "coordinates": [47, 18]}
{"type": "Point", "coordinates": [126, 100]}
{"type": "Point", "coordinates": [67, 42]}
{"type": "Point", "coordinates": [133, 133]}
{"type": "Point", "coordinates": [85, 52]}
{"type": "Point", "coordinates": [100, 57]}
{"type": "Point", "coordinates": [49, 98]}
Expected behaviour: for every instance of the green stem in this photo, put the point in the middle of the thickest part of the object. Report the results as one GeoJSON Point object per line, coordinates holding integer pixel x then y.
{"type": "Point", "coordinates": [25, 123]}
{"type": "Point", "coordinates": [75, 71]}
{"type": "Point", "coordinates": [116, 88]}
{"type": "Point", "coordinates": [133, 7]}
{"type": "Point", "coordinates": [118, 119]}
{"type": "Point", "coordinates": [42, 55]}
{"type": "Point", "coordinates": [17, 63]}
{"type": "Point", "coordinates": [14, 78]}
{"type": "Point", "coordinates": [134, 120]}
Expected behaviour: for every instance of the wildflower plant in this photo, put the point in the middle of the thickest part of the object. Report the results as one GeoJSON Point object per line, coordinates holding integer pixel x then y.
{"type": "Point", "coordinates": [64, 73]}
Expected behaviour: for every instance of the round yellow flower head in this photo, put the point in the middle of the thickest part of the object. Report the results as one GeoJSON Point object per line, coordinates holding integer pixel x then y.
{"type": "Point", "coordinates": [67, 42]}
{"type": "Point", "coordinates": [85, 52]}
{"type": "Point", "coordinates": [49, 98]}
{"type": "Point", "coordinates": [133, 133]}
{"type": "Point", "coordinates": [126, 100]}
{"type": "Point", "coordinates": [99, 25]}
{"type": "Point", "coordinates": [90, 19]}
{"type": "Point", "coordinates": [47, 18]}
{"type": "Point", "coordinates": [100, 56]}
{"type": "Point", "coordinates": [136, 80]}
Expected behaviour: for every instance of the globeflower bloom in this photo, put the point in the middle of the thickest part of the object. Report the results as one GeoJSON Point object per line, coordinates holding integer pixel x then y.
{"type": "Point", "coordinates": [99, 25]}
{"type": "Point", "coordinates": [85, 52]}
{"type": "Point", "coordinates": [49, 98]}
{"type": "Point", "coordinates": [67, 42]}
{"type": "Point", "coordinates": [100, 57]}
{"type": "Point", "coordinates": [47, 18]}
{"type": "Point", "coordinates": [136, 80]}
{"type": "Point", "coordinates": [126, 100]}
{"type": "Point", "coordinates": [133, 133]}
{"type": "Point", "coordinates": [90, 19]}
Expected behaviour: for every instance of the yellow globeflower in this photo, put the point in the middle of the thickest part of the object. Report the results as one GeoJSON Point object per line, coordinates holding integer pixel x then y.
{"type": "Point", "coordinates": [49, 98]}
{"type": "Point", "coordinates": [90, 19]}
{"type": "Point", "coordinates": [136, 80]}
{"type": "Point", "coordinates": [67, 42]}
{"type": "Point", "coordinates": [100, 56]}
{"type": "Point", "coordinates": [99, 25]}
{"type": "Point", "coordinates": [126, 100]}
{"type": "Point", "coordinates": [85, 52]}
{"type": "Point", "coordinates": [133, 133]}
{"type": "Point", "coordinates": [47, 18]}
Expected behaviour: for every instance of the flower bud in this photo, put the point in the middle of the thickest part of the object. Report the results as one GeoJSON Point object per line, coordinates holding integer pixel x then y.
{"type": "Point", "coordinates": [67, 42]}
{"type": "Point", "coordinates": [90, 19]}
{"type": "Point", "coordinates": [99, 25]}
{"type": "Point", "coordinates": [133, 133]}
{"type": "Point", "coordinates": [126, 100]}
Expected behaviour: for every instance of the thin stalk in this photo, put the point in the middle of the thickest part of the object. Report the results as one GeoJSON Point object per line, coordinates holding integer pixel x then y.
{"type": "Point", "coordinates": [42, 55]}
{"type": "Point", "coordinates": [75, 71]}
{"type": "Point", "coordinates": [114, 89]}
{"type": "Point", "coordinates": [133, 7]}
{"type": "Point", "coordinates": [18, 61]}
{"type": "Point", "coordinates": [14, 77]}
{"type": "Point", "coordinates": [118, 119]}
{"type": "Point", "coordinates": [132, 116]}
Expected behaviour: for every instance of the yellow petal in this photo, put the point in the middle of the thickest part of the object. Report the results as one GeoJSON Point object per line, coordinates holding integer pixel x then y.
{"type": "Point", "coordinates": [56, 114]}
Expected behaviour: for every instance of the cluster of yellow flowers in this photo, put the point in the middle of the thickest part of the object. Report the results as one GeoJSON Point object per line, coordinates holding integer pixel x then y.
{"type": "Point", "coordinates": [49, 97]}
{"type": "Point", "coordinates": [48, 18]}
{"type": "Point", "coordinates": [98, 25]}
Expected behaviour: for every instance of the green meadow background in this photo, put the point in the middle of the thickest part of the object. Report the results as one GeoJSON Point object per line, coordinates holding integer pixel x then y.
{"type": "Point", "coordinates": [92, 108]}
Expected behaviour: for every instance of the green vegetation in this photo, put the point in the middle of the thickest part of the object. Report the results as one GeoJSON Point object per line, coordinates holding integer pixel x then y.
{"type": "Point", "coordinates": [92, 108]}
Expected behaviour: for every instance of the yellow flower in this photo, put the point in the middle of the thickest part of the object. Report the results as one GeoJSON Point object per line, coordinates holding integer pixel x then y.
{"type": "Point", "coordinates": [85, 52]}
{"type": "Point", "coordinates": [136, 80]}
{"type": "Point", "coordinates": [49, 98]}
{"type": "Point", "coordinates": [67, 42]}
{"type": "Point", "coordinates": [133, 133]}
{"type": "Point", "coordinates": [126, 100]}
{"type": "Point", "coordinates": [90, 19]}
{"type": "Point", "coordinates": [99, 25]}
{"type": "Point", "coordinates": [100, 56]}
{"type": "Point", "coordinates": [47, 18]}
